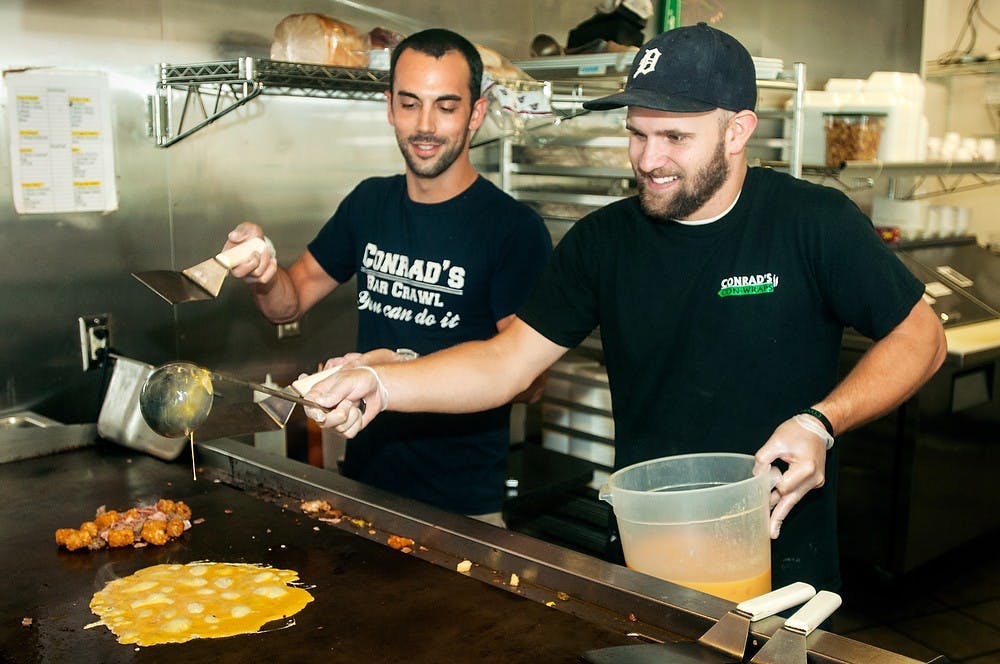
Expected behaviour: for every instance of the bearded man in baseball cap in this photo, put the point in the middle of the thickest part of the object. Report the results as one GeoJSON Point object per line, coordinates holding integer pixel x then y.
{"type": "Point", "coordinates": [721, 292]}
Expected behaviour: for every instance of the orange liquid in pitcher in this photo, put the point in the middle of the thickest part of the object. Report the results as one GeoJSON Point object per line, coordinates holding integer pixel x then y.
{"type": "Point", "coordinates": [736, 591]}
{"type": "Point", "coordinates": [696, 557]}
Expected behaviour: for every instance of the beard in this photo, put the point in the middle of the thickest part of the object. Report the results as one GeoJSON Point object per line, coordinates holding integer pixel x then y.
{"type": "Point", "coordinates": [688, 198]}
{"type": "Point", "coordinates": [434, 168]}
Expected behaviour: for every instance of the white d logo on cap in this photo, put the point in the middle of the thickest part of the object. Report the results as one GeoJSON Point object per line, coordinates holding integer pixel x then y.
{"type": "Point", "coordinates": [648, 63]}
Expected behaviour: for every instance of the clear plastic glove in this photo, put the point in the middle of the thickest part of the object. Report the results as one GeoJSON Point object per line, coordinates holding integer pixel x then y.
{"type": "Point", "coordinates": [260, 267]}
{"type": "Point", "coordinates": [805, 453]}
{"type": "Point", "coordinates": [353, 395]}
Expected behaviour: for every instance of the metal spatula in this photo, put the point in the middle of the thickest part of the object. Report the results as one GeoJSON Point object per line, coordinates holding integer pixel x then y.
{"type": "Point", "coordinates": [724, 643]}
{"type": "Point", "coordinates": [729, 635]}
{"type": "Point", "coordinates": [202, 281]}
{"type": "Point", "coordinates": [789, 644]}
{"type": "Point", "coordinates": [281, 403]}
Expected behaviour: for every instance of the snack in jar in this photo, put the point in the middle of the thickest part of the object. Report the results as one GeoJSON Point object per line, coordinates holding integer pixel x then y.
{"type": "Point", "coordinates": [852, 137]}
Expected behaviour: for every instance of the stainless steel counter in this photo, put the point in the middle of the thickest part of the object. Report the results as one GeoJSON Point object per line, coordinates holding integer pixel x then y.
{"type": "Point", "coordinates": [924, 471]}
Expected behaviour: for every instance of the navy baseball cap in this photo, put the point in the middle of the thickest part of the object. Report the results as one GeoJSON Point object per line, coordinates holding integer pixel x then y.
{"type": "Point", "coordinates": [691, 69]}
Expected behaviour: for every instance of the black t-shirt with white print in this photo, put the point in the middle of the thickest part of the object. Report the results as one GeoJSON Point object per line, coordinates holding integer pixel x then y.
{"type": "Point", "coordinates": [430, 276]}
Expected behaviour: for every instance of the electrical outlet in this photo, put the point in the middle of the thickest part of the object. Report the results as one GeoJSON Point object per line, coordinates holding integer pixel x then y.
{"type": "Point", "coordinates": [95, 339]}
{"type": "Point", "coordinates": [286, 330]}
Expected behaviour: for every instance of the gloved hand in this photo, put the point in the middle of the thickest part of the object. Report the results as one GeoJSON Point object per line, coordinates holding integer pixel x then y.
{"type": "Point", "coordinates": [348, 419]}
{"type": "Point", "coordinates": [803, 447]}
{"type": "Point", "coordinates": [260, 267]}
{"type": "Point", "coordinates": [353, 395]}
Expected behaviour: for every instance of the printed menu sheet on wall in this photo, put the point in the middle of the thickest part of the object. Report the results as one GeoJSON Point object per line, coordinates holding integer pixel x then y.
{"type": "Point", "coordinates": [62, 149]}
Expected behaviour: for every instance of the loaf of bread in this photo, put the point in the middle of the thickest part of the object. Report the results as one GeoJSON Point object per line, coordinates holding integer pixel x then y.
{"type": "Point", "coordinates": [318, 39]}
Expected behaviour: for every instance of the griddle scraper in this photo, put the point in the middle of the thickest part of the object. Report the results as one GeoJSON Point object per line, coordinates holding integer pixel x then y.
{"type": "Point", "coordinates": [202, 281]}
{"type": "Point", "coordinates": [730, 634]}
{"type": "Point", "coordinates": [789, 644]}
{"type": "Point", "coordinates": [725, 642]}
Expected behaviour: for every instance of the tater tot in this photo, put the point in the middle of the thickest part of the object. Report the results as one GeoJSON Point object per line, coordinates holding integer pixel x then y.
{"type": "Point", "coordinates": [72, 539]}
{"type": "Point", "coordinates": [121, 537]}
{"type": "Point", "coordinates": [182, 510]}
{"type": "Point", "coordinates": [106, 520]}
{"type": "Point", "coordinates": [175, 527]}
{"type": "Point", "coordinates": [155, 532]}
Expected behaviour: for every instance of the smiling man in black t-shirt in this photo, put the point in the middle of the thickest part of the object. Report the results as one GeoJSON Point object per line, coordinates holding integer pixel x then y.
{"type": "Point", "coordinates": [441, 256]}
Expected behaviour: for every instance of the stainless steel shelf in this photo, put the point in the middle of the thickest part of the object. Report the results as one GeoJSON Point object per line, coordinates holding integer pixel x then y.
{"type": "Point", "coordinates": [588, 65]}
{"type": "Point", "coordinates": [580, 68]}
{"type": "Point", "coordinates": [938, 70]}
{"type": "Point", "coordinates": [278, 77]}
{"type": "Point", "coordinates": [950, 177]}
{"type": "Point", "coordinates": [583, 141]}
{"type": "Point", "coordinates": [571, 198]}
{"type": "Point", "coordinates": [573, 171]}
{"type": "Point", "coordinates": [583, 72]}
{"type": "Point", "coordinates": [210, 90]}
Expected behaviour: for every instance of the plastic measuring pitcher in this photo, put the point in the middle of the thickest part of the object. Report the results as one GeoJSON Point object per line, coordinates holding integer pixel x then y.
{"type": "Point", "coordinates": [698, 520]}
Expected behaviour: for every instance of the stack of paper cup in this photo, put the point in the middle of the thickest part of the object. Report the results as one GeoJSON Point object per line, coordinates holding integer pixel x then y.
{"type": "Point", "coordinates": [933, 148]}
{"type": "Point", "coordinates": [967, 150]}
{"type": "Point", "coordinates": [950, 146]}
{"type": "Point", "coordinates": [987, 149]}
{"type": "Point", "coordinates": [963, 217]}
{"type": "Point", "coordinates": [933, 226]}
{"type": "Point", "coordinates": [947, 221]}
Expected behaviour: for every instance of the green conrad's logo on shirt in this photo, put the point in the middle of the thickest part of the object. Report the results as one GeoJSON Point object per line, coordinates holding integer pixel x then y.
{"type": "Point", "coordinates": [754, 284]}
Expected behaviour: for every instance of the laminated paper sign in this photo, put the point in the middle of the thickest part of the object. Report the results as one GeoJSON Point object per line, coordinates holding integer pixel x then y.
{"type": "Point", "coordinates": [62, 150]}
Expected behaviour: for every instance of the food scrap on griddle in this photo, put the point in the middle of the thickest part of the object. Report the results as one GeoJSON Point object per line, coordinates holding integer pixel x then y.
{"type": "Point", "coordinates": [325, 512]}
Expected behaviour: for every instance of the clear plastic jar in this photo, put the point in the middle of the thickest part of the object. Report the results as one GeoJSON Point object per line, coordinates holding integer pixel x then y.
{"type": "Point", "coordinates": [852, 136]}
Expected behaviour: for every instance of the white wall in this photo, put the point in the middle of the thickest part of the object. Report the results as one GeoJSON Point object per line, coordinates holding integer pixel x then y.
{"type": "Point", "coordinates": [958, 104]}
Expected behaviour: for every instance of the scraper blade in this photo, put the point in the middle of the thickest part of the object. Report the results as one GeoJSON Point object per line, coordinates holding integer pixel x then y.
{"type": "Point", "coordinates": [202, 281]}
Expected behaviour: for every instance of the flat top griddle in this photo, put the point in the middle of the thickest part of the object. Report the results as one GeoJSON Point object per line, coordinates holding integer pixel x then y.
{"type": "Point", "coordinates": [372, 603]}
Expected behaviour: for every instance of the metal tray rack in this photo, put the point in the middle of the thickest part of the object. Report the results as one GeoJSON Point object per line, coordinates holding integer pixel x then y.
{"type": "Point", "coordinates": [213, 89]}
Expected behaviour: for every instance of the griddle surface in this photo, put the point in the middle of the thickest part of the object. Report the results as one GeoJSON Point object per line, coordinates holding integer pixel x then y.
{"type": "Point", "coordinates": [372, 604]}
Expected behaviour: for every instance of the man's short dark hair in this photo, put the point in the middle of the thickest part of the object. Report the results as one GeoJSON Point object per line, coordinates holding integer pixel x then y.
{"type": "Point", "coordinates": [436, 42]}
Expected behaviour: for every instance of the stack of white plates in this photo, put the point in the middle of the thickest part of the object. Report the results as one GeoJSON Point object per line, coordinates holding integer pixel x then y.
{"type": "Point", "coordinates": [768, 68]}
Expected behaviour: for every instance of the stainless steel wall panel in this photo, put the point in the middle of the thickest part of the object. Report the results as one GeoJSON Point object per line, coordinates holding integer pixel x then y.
{"type": "Point", "coordinates": [284, 163]}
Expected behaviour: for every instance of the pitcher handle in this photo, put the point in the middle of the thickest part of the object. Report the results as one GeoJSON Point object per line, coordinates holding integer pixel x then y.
{"type": "Point", "coordinates": [773, 476]}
